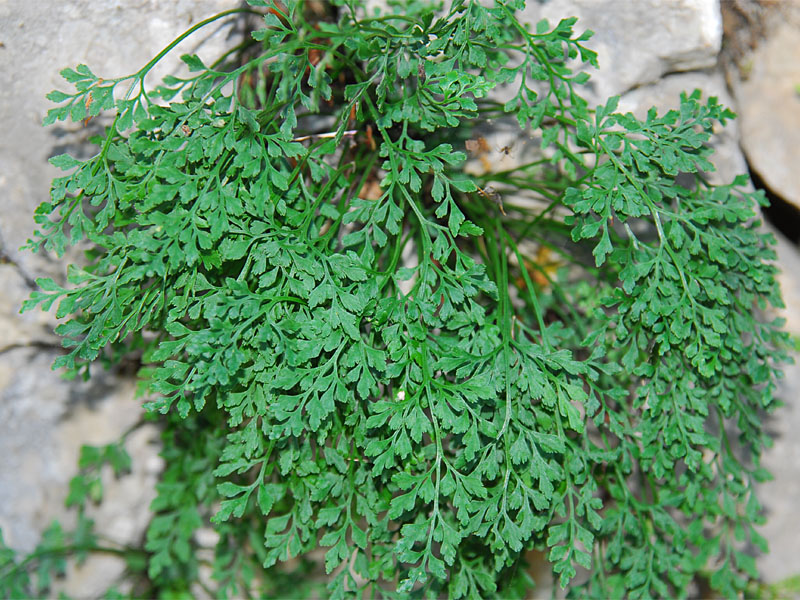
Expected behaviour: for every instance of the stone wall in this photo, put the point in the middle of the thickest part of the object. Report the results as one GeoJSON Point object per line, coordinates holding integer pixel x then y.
{"type": "Point", "coordinates": [44, 419]}
{"type": "Point", "coordinates": [649, 50]}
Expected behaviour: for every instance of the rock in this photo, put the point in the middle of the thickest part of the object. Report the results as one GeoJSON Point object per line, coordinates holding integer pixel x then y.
{"type": "Point", "coordinates": [780, 495]}
{"type": "Point", "coordinates": [115, 38]}
{"type": "Point", "coordinates": [44, 419]}
{"type": "Point", "coordinates": [665, 95]}
{"type": "Point", "coordinates": [34, 327]}
{"type": "Point", "coordinates": [770, 111]}
{"type": "Point", "coordinates": [123, 515]}
{"type": "Point", "coordinates": [743, 24]}
{"type": "Point", "coordinates": [789, 279]}
{"type": "Point", "coordinates": [639, 41]}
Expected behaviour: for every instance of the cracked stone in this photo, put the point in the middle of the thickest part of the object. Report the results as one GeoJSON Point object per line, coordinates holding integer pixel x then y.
{"type": "Point", "coordinates": [43, 419]}
{"type": "Point", "coordinates": [115, 38]}
{"type": "Point", "coordinates": [639, 42]}
{"type": "Point", "coordinates": [780, 495]}
{"type": "Point", "coordinates": [769, 103]}
{"type": "Point", "coordinates": [665, 95]}
{"type": "Point", "coordinates": [32, 328]}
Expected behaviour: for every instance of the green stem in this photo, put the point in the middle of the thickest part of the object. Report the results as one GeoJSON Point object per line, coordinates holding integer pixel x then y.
{"type": "Point", "coordinates": [144, 70]}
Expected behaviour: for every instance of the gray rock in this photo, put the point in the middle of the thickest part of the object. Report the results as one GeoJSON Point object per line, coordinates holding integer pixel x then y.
{"type": "Point", "coordinates": [780, 495]}
{"type": "Point", "coordinates": [639, 41]}
{"type": "Point", "coordinates": [34, 327]}
{"type": "Point", "coordinates": [124, 514]}
{"type": "Point", "coordinates": [43, 419]}
{"type": "Point", "coordinates": [770, 111]}
{"type": "Point", "coordinates": [665, 95]}
{"type": "Point", "coordinates": [769, 108]}
{"type": "Point", "coordinates": [38, 40]}
{"type": "Point", "coordinates": [789, 279]}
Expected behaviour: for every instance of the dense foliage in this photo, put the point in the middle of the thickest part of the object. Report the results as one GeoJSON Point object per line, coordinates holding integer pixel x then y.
{"type": "Point", "coordinates": [355, 345]}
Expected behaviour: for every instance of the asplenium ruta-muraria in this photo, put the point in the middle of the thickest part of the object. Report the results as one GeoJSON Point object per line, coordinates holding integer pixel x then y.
{"type": "Point", "coordinates": [356, 346]}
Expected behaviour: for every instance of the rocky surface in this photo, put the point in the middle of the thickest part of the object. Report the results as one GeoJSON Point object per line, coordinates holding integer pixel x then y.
{"type": "Point", "coordinates": [665, 95]}
{"type": "Point", "coordinates": [38, 40]}
{"type": "Point", "coordinates": [124, 513]}
{"type": "Point", "coordinates": [789, 278]}
{"type": "Point", "coordinates": [762, 50]}
{"type": "Point", "coordinates": [780, 495]}
{"type": "Point", "coordinates": [769, 99]}
{"type": "Point", "coordinates": [44, 419]}
{"type": "Point", "coordinates": [639, 41]}
{"type": "Point", "coordinates": [34, 328]}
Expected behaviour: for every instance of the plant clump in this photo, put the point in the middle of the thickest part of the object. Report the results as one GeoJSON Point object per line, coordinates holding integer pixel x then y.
{"type": "Point", "coordinates": [354, 345]}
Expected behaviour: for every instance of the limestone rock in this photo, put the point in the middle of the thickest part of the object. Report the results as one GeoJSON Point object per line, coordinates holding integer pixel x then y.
{"type": "Point", "coordinates": [32, 328]}
{"type": "Point", "coordinates": [124, 514]}
{"type": "Point", "coordinates": [665, 95]}
{"type": "Point", "coordinates": [770, 111]}
{"type": "Point", "coordinates": [779, 496]}
{"type": "Point", "coordinates": [789, 279]}
{"type": "Point", "coordinates": [38, 40]}
{"type": "Point", "coordinates": [43, 419]}
{"type": "Point", "coordinates": [639, 41]}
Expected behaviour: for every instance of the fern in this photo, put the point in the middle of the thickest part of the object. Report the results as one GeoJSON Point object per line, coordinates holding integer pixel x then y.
{"type": "Point", "coordinates": [355, 346]}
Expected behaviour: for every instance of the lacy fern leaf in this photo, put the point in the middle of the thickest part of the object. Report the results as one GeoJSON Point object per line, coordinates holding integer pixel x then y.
{"type": "Point", "coordinates": [356, 346]}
